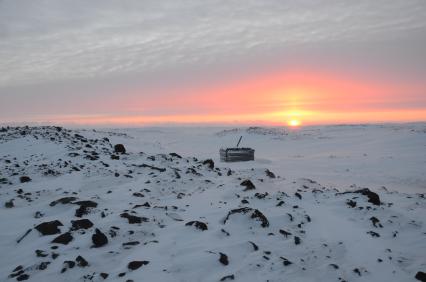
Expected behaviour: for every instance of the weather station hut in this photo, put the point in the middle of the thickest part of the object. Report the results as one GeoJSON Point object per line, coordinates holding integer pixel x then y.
{"type": "Point", "coordinates": [236, 154]}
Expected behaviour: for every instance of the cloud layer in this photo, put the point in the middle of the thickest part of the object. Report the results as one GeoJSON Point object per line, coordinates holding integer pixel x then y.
{"type": "Point", "coordinates": [102, 48]}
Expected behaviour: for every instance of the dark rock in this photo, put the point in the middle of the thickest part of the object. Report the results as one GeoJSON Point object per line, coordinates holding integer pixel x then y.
{"type": "Point", "coordinates": [175, 155]}
{"type": "Point", "coordinates": [49, 228]}
{"type": "Point", "coordinates": [372, 197]}
{"type": "Point", "coordinates": [285, 233]}
{"type": "Point", "coordinates": [228, 277]}
{"type": "Point", "coordinates": [134, 219]}
{"type": "Point", "coordinates": [255, 247]}
{"type": "Point", "coordinates": [280, 203]}
{"type": "Point", "coordinates": [115, 157]}
{"type": "Point", "coordinates": [133, 243]}
{"type": "Point", "coordinates": [65, 200]}
{"type": "Point", "coordinates": [81, 261]}
{"type": "Point", "coordinates": [63, 238]}
{"type": "Point", "coordinates": [119, 148]}
{"type": "Point", "coordinates": [84, 208]}
{"type": "Point", "coordinates": [23, 277]}
{"type": "Point", "coordinates": [421, 276]}
{"type": "Point", "coordinates": [133, 265]}
{"type": "Point", "coordinates": [357, 271]}
{"type": "Point", "coordinates": [81, 224]}
{"type": "Point", "coordinates": [87, 203]}
{"type": "Point", "coordinates": [209, 163]}
{"type": "Point", "coordinates": [335, 266]}
{"type": "Point", "coordinates": [104, 275]}
{"type": "Point", "coordinates": [255, 214]}
{"type": "Point", "coordinates": [373, 234]}
{"type": "Point", "coordinates": [351, 203]}
{"type": "Point", "coordinates": [99, 239]}
{"type": "Point", "coordinates": [248, 184]}
{"type": "Point", "coordinates": [260, 195]}
{"type": "Point", "coordinates": [223, 259]}
{"type": "Point", "coordinates": [24, 179]}
{"type": "Point", "coordinates": [19, 272]}
{"type": "Point", "coordinates": [270, 174]}
{"type": "Point", "coordinates": [9, 204]}
{"type": "Point", "coordinates": [286, 262]}
{"type": "Point", "coordinates": [68, 264]}
{"type": "Point", "coordinates": [198, 224]}
{"type": "Point", "coordinates": [153, 167]}
{"type": "Point", "coordinates": [43, 265]}
{"type": "Point", "coordinates": [40, 253]}
{"type": "Point", "coordinates": [298, 195]}
{"type": "Point", "coordinates": [296, 240]}
{"type": "Point", "coordinates": [376, 222]}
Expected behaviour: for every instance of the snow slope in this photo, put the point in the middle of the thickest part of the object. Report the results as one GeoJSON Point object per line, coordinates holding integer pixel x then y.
{"type": "Point", "coordinates": [162, 214]}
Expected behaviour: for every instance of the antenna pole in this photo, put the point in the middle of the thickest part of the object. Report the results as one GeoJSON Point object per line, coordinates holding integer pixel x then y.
{"type": "Point", "coordinates": [241, 137]}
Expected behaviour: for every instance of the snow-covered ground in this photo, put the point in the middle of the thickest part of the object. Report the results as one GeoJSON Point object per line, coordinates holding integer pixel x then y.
{"type": "Point", "coordinates": [161, 212]}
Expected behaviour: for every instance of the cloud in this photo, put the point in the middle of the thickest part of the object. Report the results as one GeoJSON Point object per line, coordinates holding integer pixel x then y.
{"type": "Point", "coordinates": [87, 49]}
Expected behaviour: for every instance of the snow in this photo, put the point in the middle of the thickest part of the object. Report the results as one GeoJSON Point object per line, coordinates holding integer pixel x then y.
{"type": "Point", "coordinates": [320, 164]}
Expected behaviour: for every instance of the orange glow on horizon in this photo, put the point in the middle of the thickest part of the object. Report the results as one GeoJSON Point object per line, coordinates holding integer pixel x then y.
{"type": "Point", "coordinates": [278, 98]}
{"type": "Point", "coordinates": [294, 123]}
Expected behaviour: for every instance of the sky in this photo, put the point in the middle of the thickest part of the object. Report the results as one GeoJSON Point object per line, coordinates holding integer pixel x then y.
{"type": "Point", "coordinates": [274, 62]}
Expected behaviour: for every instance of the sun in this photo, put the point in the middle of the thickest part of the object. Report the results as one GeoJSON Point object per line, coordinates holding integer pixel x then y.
{"type": "Point", "coordinates": [294, 123]}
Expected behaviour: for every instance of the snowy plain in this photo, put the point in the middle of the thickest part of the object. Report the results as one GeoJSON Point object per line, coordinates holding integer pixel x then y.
{"type": "Point", "coordinates": [160, 211]}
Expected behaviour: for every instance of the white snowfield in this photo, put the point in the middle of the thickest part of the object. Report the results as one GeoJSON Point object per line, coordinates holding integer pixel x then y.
{"type": "Point", "coordinates": [331, 203]}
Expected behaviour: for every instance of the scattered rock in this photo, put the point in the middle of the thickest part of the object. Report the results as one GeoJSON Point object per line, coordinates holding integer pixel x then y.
{"type": "Point", "coordinates": [84, 208]}
{"type": "Point", "coordinates": [175, 155]}
{"type": "Point", "coordinates": [421, 276]}
{"type": "Point", "coordinates": [286, 262]}
{"type": "Point", "coordinates": [23, 277]}
{"type": "Point", "coordinates": [43, 265]}
{"type": "Point", "coordinates": [223, 259]}
{"type": "Point", "coordinates": [9, 204]}
{"type": "Point", "coordinates": [67, 265]}
{"type": "Point", "coordinates": [228, 277]}
{"type": "Point", "coordinates": [372, 197]}
{"type": "Point", "coordinates": [81, 224]}
{"type": "Point", "coordinates": [64, 201]}
{"type": "Point", "coordinates": [81, 261]}
{"type": "Point", "coordinates": [24, 179]}
{"type": "Point", "coordinates": [198, 224]}
{"type": "Point", "coordinates": [270, 174]}
{"type": "Point", "coordinates": [99, 239]}
{"type": "Point", "coordinates": [255, 214]}
{"type": "Point", "coordinates": [351, 203]}
{"type": "Point", "coordinates": [41, 253]}
{"type": "Point", "coordinates": [209, 163]}
{"type": "Point", "coordinates": [298, 195]}
{"type": "Point", "coordinates": [132, 219]}
{"type": "Point", "coordinates": [373, 234]}
{"type": "Point", "coordinates": [284, 233]}
{"type": "Point", "coordinates": [63, 238]}
{"type": "Point", "coordinates": [376, 222]}
{"type": "Point", "coordinates": [255, 247]}
{"type": "Point", "coordinates": [133, 265]}
{"type": "Point", "coordinates": [296, 240]}
{"type": "Point", "coordinates": [119, 148]}
{"type": "Point", "coordinates": [248, 184]}
{"type": "Point", "coordinates": [49, 227]}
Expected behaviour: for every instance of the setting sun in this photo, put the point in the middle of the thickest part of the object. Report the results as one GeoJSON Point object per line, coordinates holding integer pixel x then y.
{"type": "Point", "coordinates": [294, 123]}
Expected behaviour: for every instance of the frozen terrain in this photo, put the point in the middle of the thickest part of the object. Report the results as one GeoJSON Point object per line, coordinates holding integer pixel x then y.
{"type": "Point", "coordinates": [336, 203]}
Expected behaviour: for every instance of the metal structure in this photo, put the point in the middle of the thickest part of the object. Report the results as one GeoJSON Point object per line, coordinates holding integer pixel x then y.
{"type": "Point", "coordinates": [236, 154]}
